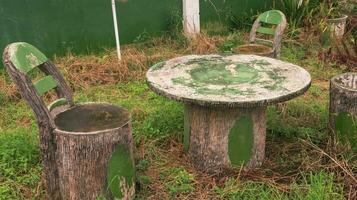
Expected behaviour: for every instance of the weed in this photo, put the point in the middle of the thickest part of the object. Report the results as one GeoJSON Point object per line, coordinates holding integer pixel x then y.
{"type": "Point", "coordinates": [178, 180]}
{"type": "Point", "coordinates": [315, 186]}
{"type": "Point", "coordinates": [142, 165]}
{"type": "Point", "coordinates": [296, 12]}
{"type": "Point", "coordinates": [19, 164]}
{"type": "Point", "coordinates": [319, 186]}
{"type": "Point", "coordinates": [232, 41]}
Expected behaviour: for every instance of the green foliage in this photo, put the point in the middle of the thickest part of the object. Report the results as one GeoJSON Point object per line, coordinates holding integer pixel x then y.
{"type": "Point", "coordinates": [178, 180]}
{"type": "Point", "coordinates": [18, 153]}
{"type": "Point", "coordinates": [161, 124]}
{"type": "Point", "coordinates": [174, 22]}
{"type": "Point", "coordinates": [232, 41]}
{"type": "Point", "coordinates": [298, 119]}
{"type": "Point", "coordinates": [19, 163]}
{"type": "Point", "coordinates": [302, 117]}
{"type": "Point", "coordinates": [143, 37]}
{"type": "Point", "coordinates": [296, 11]}
{"type": "Point", "coordinates": [144, 180]}
{"type": "Point", "coordinates": [142, 165]}
{"type": "Point", "coordinates": [319, 186]}
{"type": "Point", "coordinates": [315, 186]}
{"type": "Point", "coordinates": [243, 21]}
{"type": "Point", "coordinates": [234, 190]}
{"type": "Point", "coordinates": [2, 98]}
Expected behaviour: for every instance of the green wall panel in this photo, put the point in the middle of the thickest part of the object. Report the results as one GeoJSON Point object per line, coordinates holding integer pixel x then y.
{"type": "Point", "coordinates": [82, 26]}
{"type": "Point", "coordinates": [222, 10]}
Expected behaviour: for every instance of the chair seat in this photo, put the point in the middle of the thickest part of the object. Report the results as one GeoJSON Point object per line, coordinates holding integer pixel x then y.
{"type": "Point", "coordinates": [92, 117]}
{"type": "Point", "coordinates": [256, 49]}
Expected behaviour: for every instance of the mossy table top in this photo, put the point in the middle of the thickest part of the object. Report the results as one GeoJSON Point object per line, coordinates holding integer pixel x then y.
{"type": "Point", "coordinates": [235, 80]}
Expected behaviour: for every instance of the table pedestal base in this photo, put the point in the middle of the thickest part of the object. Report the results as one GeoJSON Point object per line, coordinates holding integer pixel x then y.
{"type": "Point", "coordinates": [219, 138]}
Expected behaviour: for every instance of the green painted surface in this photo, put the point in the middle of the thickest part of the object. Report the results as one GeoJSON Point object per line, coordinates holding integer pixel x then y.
{"type": "Point", "coordinates": [217, 71]}
{"type": "Point", "coordinates": [45, 84]}
{"type": "Point", "coordinates": [56, 103]}
{"type": "Point", "coordinates": [240, 141]}
{"type": "Point", "coordinates": [271, 17]}
{"type": "Point", "coordinates": [346, 127]}
{"type": "Point", "coordinates": [25, 57]}
{"type": "Point", "coordinates": [82, 26]}
{"type": "Point", "coordinates": [264, 30]}
{"type": "Point", "coordinates": [229, 80]}
{"type": "Point", "coordinates": [187, 130]}
{"type": "Point", "coordinates": [212, 73]}
{"type": "Point", "coordinates": [121, 172]}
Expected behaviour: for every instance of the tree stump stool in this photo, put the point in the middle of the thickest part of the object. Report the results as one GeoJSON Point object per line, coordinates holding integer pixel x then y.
{"type": "Point", "coordinates": [225, 101]}
{"type": "Point", "coordinates": [94, 152]}
{"type": "Point", "coordinates": [343, 107]}
{"type": "Point", "coordinates": [256, 49]}
{"type": "Point", "coordinates": [87, 149]}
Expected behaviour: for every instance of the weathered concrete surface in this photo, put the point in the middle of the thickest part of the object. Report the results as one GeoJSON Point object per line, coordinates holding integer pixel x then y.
{"type": "Point", "coordinates": [235, 80]}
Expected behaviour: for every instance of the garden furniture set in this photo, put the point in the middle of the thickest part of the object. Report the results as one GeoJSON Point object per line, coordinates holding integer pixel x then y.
{"type": "Point", "coordinates": [87, 149]}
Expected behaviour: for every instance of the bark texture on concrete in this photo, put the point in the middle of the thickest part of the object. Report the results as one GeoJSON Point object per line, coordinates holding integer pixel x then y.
{"type": "Point", "coordinates": [83, 159]}
{"type": "Point", "coordinates": [78, 162]}
{"type": "Point", "coordinates": [43, 118]}
{"type": "Point", "coordinates": [210, 128]}
{"type": "Point", "coordinates": [343, 96]}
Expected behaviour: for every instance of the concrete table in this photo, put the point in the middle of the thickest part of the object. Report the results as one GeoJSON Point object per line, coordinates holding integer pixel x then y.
{"type": "Point", "coordinates": [225, 101]}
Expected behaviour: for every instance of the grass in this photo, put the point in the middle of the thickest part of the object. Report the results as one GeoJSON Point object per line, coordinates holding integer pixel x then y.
{"type": "Point", "coordinates": [314, 186]}
{"type": "Point", "coordinates": [296, 165]}
{"type": "Point", "coordinates": [20, 172]}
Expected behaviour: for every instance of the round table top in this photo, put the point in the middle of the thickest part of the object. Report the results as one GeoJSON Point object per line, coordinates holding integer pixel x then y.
{"type": "Point", "coordinates": [234, 80]}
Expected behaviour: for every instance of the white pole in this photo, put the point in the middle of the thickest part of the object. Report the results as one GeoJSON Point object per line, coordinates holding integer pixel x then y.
{"type": "Point", "coordinates": [191, 17]}
{"type": "Point", "coordinates": [116, 29]}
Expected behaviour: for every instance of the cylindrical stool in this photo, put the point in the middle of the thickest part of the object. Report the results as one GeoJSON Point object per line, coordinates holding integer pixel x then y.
{"type": "Point", "coordinates": [343, 107]}
{"type": "Point", "coordinates": [94, 152]}
{"type": "Point", "coordinates": [255, 49]}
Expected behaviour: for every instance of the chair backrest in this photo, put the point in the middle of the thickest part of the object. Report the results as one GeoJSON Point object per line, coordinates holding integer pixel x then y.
{"type": "Point", "coordinates": [20, 59]}
{"type": "Point", "coordinates": [270, 23]}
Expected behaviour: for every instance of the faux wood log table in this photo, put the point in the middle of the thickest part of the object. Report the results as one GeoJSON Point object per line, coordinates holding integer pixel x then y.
{"type": "Point", "coordinates": [225, 101]}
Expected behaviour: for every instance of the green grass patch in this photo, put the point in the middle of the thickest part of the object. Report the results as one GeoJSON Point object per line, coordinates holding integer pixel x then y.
{"type": "Point", "coordinates": [19, 164]}
{"type": "Point", "coordinates": [314, 187]}
{"type": "Point", "coordinates": [177, 180]}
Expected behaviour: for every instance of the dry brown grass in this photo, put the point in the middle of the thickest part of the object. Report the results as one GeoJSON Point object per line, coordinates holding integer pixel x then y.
{"type": "Point", "coordinates": [203, 44]}
{"type": "Point", "coordinates": [285, 160]}
{"type": "Point", "coordinates": [84, 71]}
{"type": "Point", "coordinates": [8, 90]}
